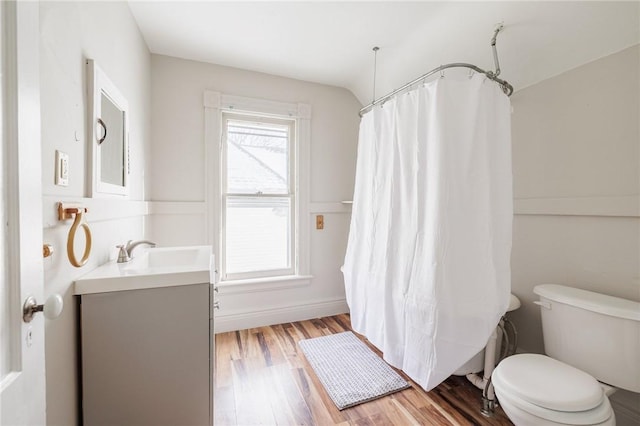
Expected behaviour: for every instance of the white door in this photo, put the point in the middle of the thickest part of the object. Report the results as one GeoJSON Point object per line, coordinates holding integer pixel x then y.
{"type": "Point", "coordinates": [22, 380]}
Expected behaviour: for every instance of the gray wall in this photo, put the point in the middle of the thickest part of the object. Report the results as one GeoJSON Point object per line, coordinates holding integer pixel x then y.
{"type": "Point", "coordinates": [576, 165]}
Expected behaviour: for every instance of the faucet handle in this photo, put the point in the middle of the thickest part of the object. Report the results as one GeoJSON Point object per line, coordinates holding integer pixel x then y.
{"type": "Point", "coordinates": [123, 255]}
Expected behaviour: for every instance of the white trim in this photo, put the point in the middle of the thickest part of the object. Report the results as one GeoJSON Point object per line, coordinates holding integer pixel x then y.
{"type": "Point", "coordinates": [100, 209]}
{"type": "Point", "coordinates": [177, 207]}
{"type": "Point", "coordinates": [8, 380]}
{"type": "Point", "coordinates": [200, 207]}
{"type": "Point", "coordinates": [214, 103]}
{"type": "Point", "coordinates": [256, 285]}
{"type": "Point", "coordinates": [257, 106]}
{"type": "Point", "coordinates": [303, 164]}
{"type": "Point", "coordinates": [99, 84]}
{"type": "Point", "coordinates": [212, 147]}
{"type": "Point", "coordinates": [291, 194]}
{"type": "Point", "coordinates": [304, 111]}
{"type": "Point", "coordinates": [211, 99]}
{"type": "Point", "coordinates": [622, 206]}
{"type": "Point", "coordinates": [241, 320]}
{"type": "Point", "coordinates": [340, 207]}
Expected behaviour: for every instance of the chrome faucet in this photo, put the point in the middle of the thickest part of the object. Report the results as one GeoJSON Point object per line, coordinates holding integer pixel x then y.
{"type": "Point", "coordinates": [126, 251]}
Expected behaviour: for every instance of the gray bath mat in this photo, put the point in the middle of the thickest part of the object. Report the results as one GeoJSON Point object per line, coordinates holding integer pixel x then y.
{"type": "Point", "coordinates": [350, 372]}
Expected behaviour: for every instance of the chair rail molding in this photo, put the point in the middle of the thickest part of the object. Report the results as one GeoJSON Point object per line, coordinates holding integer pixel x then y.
{"type": "Point", "coordinates": [612, 206]}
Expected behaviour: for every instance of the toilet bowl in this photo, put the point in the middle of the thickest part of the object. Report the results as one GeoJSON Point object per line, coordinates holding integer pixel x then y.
{"type": "Point", "coordinates": [536, 390]}
{"type": "Point", "coordinates": [588, 337]}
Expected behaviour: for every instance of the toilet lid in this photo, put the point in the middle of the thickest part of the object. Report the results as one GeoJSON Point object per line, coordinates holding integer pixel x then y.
{"type": "Point", "coordinates": [547, 383]}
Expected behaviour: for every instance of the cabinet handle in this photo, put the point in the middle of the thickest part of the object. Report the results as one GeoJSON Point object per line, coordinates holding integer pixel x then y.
{"type": "Point", "coordinates": [216, 289]}
{"type": "Point", "coordinates": [216, 305]}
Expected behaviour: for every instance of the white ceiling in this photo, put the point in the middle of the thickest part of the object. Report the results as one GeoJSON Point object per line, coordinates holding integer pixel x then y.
{"type": "Point", "coordinates": [331, 42]}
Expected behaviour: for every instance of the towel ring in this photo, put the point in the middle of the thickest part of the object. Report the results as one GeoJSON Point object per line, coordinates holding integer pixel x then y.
{"type": "Point", "coordinates": [72, 236]}
{"type": "Point", "coordinates": [67, 213]}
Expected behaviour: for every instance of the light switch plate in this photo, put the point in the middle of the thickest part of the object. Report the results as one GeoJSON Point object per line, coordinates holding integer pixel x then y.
{"type": "Point", "coordinates": [62, 169]}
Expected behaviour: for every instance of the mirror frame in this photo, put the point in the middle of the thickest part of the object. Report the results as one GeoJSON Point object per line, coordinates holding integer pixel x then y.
{"type": "Point", "coordinates": [99, 84]}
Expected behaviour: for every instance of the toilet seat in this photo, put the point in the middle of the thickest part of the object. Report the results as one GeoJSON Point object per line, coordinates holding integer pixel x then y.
{"type": "Point", "coordinates": [597, 415]}
{"type": "Point", "coordinates": [550, 389]}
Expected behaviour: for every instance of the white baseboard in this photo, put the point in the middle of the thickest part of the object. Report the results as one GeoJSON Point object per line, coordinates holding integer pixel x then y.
{"type": "Point", "coordinates": [279, 315]}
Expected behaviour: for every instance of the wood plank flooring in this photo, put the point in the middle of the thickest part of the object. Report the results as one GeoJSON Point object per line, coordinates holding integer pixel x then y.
{"type": "Point", "coordinates": [262, 378]}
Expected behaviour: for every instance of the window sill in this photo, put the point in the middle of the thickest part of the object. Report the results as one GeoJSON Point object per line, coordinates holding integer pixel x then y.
{"type": "Point", "coordinates": [263, 284]}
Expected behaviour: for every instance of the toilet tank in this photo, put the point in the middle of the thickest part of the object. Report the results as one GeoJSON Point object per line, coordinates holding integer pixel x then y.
{"type": "Point", "coordinates": [596, 333]}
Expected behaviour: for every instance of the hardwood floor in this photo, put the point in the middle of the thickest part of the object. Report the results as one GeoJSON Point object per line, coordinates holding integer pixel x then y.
{"type": "Point", "coordinates": [262, 378]}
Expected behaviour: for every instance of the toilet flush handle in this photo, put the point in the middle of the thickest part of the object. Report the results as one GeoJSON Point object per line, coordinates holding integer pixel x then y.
{"type": "Point", "coordinates": [545, 305]}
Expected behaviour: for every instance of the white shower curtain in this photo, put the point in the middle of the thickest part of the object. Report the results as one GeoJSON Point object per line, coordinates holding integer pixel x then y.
{"type": "Point", "coordinates": [427, 269]}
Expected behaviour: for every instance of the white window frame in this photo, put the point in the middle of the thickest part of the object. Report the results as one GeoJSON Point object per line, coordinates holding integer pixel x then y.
{"type": "Point", "coordinates": [291, 195]}
{"type": "Point", "coordinates": [215, 103]}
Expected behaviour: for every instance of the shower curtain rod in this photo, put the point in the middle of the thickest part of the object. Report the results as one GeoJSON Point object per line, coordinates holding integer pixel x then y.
{"type": "Point", "coordinates": [491, 75]}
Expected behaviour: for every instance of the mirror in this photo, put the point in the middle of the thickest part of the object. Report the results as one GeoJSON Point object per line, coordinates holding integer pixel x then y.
{"type": "Point", "coordinates": [109, 115]}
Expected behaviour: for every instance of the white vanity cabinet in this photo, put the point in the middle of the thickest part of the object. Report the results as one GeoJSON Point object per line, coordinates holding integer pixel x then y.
{"type": "Point", "coordinates": [146, 353]}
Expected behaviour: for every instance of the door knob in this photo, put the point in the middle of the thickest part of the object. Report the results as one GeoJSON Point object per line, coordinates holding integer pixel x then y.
{"type": "Point", "coordinates": [51, 308]}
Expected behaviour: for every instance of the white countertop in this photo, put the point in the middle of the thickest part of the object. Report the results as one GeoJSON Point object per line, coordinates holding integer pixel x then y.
{"type": "Point", "coordinates": [158, 267]}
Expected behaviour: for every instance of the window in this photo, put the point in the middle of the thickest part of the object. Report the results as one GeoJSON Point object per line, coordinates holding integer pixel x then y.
{"type": "Point", "coordinates": [258, 197]}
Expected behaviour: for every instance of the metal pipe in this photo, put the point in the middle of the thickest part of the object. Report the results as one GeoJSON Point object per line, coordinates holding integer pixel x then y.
{"type": "Point", "coordinates": [499, 28]}
{"type": "Point", "coordinates": [506, 87]}
{"type": "Point", "coordinates": [492, 75]}
{"type": "Point", "coordinates": [488, 404]}
{"type": "Point", "coordinates": [500, 332]}
{"type": "Point", "coordinates": [513, 346]}
{"type": "Point", "coordinates": [488, 394]}
{"type": "Point", "coordinates": [484, 383]}
{"type": "Point", "coordinates": [503, 354]}
{"type": "Point", "coordinates": [476, 380]}
{"type": "Point", "coordinates": [490, 364]}
{"type": "Point", "coordinates": [375, 68]}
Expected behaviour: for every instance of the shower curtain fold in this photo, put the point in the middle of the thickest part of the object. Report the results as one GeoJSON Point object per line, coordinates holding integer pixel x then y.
{"type": "Point", "coordinates": [427, 272]}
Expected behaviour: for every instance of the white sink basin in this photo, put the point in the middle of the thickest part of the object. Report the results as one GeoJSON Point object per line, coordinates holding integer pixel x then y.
{"type": "Point", "coordinates": [157, 267]}
{"type": "Point", "coordinates": [172, 257]}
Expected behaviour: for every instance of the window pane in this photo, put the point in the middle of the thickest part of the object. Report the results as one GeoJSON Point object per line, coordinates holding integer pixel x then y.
{"type": "Point", "coordinates": [257, 234]}
{"type": "Point", "coordinates": [257, 158]}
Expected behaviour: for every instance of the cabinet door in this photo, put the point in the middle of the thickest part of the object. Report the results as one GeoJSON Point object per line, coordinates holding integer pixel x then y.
{"type": "Point", "coordinates": [146, 356]}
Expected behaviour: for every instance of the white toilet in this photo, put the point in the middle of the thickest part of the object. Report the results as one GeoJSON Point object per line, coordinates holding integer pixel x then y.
{"type": "Point", "coordinates": [588, 337]}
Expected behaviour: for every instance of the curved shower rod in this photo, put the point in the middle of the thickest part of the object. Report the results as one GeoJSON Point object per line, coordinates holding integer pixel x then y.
{"type": "Point", "coordinates": [491, 75]}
